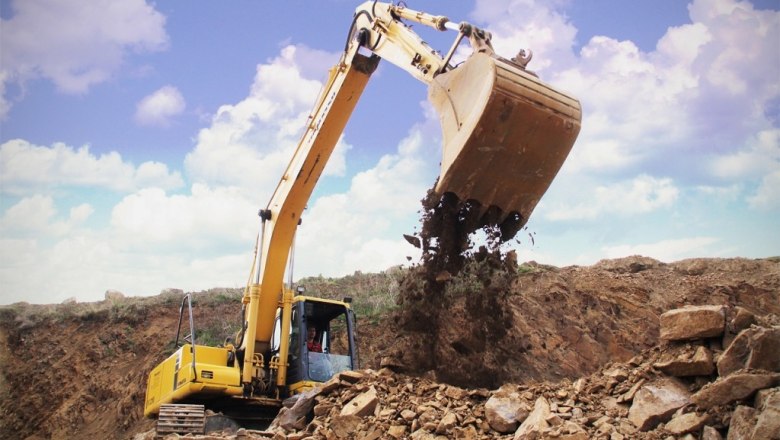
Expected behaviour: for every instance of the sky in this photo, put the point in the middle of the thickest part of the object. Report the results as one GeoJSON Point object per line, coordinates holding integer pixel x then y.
{"type": "Point", "coordinates": [139, 139]}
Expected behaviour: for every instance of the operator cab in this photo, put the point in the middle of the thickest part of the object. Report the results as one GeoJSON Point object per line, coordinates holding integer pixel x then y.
{"type": "Point", "coordinates": [322, 341]}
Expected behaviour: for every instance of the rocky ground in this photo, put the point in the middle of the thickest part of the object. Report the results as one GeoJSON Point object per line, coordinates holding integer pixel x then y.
{"type": "Point", "coordinates": [508, 351]}
{"type": "Point", "coordinates": [687, 387]}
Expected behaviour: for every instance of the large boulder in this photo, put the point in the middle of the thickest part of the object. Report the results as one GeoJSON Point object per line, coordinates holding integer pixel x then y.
{"type": "Point", "coordinates": [536, 422]}
{"type": "Point", "coordinates": [362, 405]}
{"type": "Point", "coordinates": [755, 347]}
{"type": "Point", "coordinates": [693, 362]}
{"type": "Point", "coordinates": [656, 402]}
{"type": "Point", "coordinates": [506, 409]}
{"type": "Point", "coordinates": [768, 418]}
{"type": "Point", "coordinates": [693, 322]}
{"type": "Point", "coordinates": [743, 421]}
{"type": "Point", "coordinates": [731, 388]}
{"type": "Point", "coordinates": [685, 423]}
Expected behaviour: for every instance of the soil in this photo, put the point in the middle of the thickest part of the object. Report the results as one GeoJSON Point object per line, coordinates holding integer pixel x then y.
{"type": "Point", "coordinates": [79, 370]}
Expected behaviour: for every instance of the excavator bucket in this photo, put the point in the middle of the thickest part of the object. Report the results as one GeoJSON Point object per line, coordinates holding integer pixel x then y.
{"type": "Point", "coordinates": [506, 135]}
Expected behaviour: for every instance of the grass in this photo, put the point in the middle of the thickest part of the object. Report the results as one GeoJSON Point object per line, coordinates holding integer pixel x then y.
{"type": "Point", "coordinates": [373, 294]}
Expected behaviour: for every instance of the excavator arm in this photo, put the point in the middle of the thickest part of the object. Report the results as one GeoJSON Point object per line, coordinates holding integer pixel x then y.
{"type": "Point", "coordinates": [280, 219]}
{"type": "Point", "coordinates": [505, 136]}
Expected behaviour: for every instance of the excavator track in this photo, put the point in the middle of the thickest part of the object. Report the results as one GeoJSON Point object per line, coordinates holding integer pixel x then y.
{"type": "Point", "coordinates": [181, 419]}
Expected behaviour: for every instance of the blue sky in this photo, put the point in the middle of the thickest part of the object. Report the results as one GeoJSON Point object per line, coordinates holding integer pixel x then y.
{"type": "Point", "coordinates": [138, 140]}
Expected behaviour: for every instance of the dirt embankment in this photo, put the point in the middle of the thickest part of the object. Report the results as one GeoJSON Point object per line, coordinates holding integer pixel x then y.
{"type": "Point", "coordinates": [79, 370]}
{"type": "Point", "coordinates": [497, 322]}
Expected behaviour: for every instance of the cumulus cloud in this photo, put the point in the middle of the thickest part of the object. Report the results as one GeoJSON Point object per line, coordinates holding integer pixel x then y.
{"type": "Point", "coordinates": [759, 156]}
{"type": "Point", "coordinates": [767, 196]}
{"type": "Point", "coordinates": [530, 24]}
{"type": "Point", "coordinates": [75, 44]}
{"type": "Point", "coordinates": [205, 217]}
{"type": "Point", "coordinates": [249, 144]}
{"type": "Point", "coordinates": [37, 216]}
{"type": "Point", "coordinates": [359, 229]}
{"type": "Point", "coordinates": [640, 195]}
{"type": "Point", "coordinates": [159, 107]}
{"type": "Point", "coordinates": [26, 168]}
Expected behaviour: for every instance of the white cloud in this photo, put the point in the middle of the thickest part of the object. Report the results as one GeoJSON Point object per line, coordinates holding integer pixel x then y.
{"type": "Point", "coordinates": [206, 217]}
{"type": "Point", "coordinates": [26, 168]}
{"type": "Point", "coordinates": [76, 44]}
{"type": "Point", "coordinates": [36, 216]}
{"type": "Point", "coordinates": [159, 107]}
{"type": "Point", "coordinates": [524, 24]}
{"type": "Point", "coordinates": [767, 195]}
{"type": "Point", "coordinates": [665, 250]}
{"type": "Point", "coordinates": [359, 229]}
{"type": "Point", "coordinates": [641, 195]}
{"type": "Point", "coordinates": [249, 144]}
{"type": "Point", "coordinates": [760, 156]}
{"type": "Point", "coordinates": [30, 214]}
{"type": "Point", "coordinates": [728, 193]}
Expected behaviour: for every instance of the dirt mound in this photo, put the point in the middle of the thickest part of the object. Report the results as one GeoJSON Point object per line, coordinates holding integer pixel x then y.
{"type": "Point", "coordinates": [79, 370]}
{"type": "Point", "coordinates": [497, 322]}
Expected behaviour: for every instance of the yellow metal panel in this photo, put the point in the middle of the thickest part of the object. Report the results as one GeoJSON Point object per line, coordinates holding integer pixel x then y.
{"type": "Point", "coordinates": [168, 384]}
{"type": "Point", "coordinates": [303, 386]}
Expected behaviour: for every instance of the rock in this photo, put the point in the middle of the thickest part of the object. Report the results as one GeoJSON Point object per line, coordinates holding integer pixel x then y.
{"type": "Point", "coordinates": [322, 409]}
{"type": "Point", "coordinates": [710, 433]}
{"type": "Point", "coordinates": [362, 405]}
{"type": "Point", "coordinates": [536, 422]}
{"type": "Point", "coordinates": [656, 402]}
{"type": "Point", "coordinates": [408, 415]}
{"type": "Point", "coordinates": [756, 347]}
{"type": "Point", "coordinates": [71, 300]}
{"type": "Point", "coordinates": [295, 416]}
{"type": "Point", "coordinates": [467, 433]}
{"type": "Point", "coordinates": [685, 423]}
{"type": "Point", "coordinates": [743, 318]}
{"type": "Point", "coordinates": [693, 322]}
{"type": "Point", "coordinates": [332, 384]}
{"type": "Point", "coordinates": [344, 426]}
{"type": "Point", "coordinates": [113, 295]}
{"type": "Point", "coordinates": [447, 422]}
{"type": "Point", "coordinates": [731, 388]}
{"type": "Point", "coordinates": [743, 420]}
{"type": "Point", "coordinates": [505, 409]}
{"type": "Point", "coordinates": [629, 395]}
{"type": "Point", "coordinates": [768, 419]}
{"type": "Point", "coordinates": [456, 393]}
{"type": "Point", "coordinates": [396, 431]}
{"type": "Point", "coordinates": [699, 364]}
{"type": "Point", "coordinates": [351, 376]}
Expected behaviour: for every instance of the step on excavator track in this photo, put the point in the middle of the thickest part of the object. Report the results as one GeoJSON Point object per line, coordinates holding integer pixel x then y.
{"type": "Point", "coordinates": [181, 419]}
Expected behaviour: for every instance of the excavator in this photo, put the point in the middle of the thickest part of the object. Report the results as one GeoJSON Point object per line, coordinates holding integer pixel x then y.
{"type": "Point", "coordinates": [505, 135]}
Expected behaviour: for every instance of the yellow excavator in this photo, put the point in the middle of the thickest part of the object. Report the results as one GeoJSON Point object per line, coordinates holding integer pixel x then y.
{"type": "Point", "coordinates": [505, 136]}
